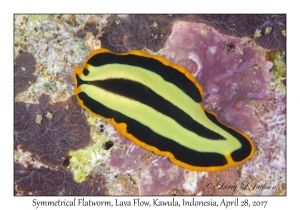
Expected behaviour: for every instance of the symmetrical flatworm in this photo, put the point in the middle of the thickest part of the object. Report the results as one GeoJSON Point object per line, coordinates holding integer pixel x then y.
{"type": "Point", "coordinates": [157, 105]}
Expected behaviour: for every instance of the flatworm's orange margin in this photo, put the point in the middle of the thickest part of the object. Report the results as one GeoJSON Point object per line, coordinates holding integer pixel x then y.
{"type": "Point", "coordinates": [122, 127]}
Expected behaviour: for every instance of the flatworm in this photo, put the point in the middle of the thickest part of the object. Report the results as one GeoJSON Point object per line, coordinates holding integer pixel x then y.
{"type": "Point", "coordinates": [157, 105]}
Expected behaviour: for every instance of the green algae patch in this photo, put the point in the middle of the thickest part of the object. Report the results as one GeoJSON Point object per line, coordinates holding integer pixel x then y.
{"type": "Point", "coordinates": [278, 70]}
{"type": "Point", "coordinates": [38, 18]}
{"type": "Point", "coordinates": [83, 161]}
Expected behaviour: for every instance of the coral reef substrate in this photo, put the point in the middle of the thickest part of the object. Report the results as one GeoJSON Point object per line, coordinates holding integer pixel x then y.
{"type": "Point", "coordinates": [243, 83]}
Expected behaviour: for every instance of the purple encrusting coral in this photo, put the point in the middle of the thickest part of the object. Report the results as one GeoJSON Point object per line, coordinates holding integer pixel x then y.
{"type": "Point", "coordinates": [50, 131]}
{"type": "Point", "coordinates": [160, 176]}
{"type": "Point", "coordinates": [46, 181]}
{"type": "Point", "coordinates": [231, 70]}
{"type": "Point", "coordinates": [126, 160]}
{"type": "Point", "coordinates": [25, 66]}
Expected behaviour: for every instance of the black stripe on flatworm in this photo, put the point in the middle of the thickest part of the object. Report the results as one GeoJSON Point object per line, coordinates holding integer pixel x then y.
{"type": "Point", "coordinates": [145, 134]}
{"type": "Point", "coordinates": [145, 95]}
{"type": "Point", "coordinates": [166, 72]}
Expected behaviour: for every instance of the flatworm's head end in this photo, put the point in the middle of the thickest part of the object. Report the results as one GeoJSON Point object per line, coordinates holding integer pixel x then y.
{"type": "Point", "coordinates": [78, 72]}
{"type": "Point", "coordinates": [77, 90]}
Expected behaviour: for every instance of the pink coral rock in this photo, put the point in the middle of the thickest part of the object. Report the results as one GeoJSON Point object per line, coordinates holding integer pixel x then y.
{"type": "Point", "coordinates": [229, 69]}
{"type": "Point", "coordinates": [160, 176]}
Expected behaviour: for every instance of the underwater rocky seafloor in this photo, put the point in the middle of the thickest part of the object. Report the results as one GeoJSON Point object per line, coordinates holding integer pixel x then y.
{"type": "Point", "coordinates": [61, 149]}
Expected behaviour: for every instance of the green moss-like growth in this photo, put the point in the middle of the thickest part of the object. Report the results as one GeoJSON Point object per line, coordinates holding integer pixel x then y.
{"type": "Point", "coordinates": [84, 160]}
{"type": "Point", "coordinates": [40, 18]}
{"type": "Point", "coordinates": [278, 70]}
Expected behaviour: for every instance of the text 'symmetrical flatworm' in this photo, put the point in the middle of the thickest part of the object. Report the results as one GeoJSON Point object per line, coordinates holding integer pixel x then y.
{"type": "Point", "coordinates": [157, 105]}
